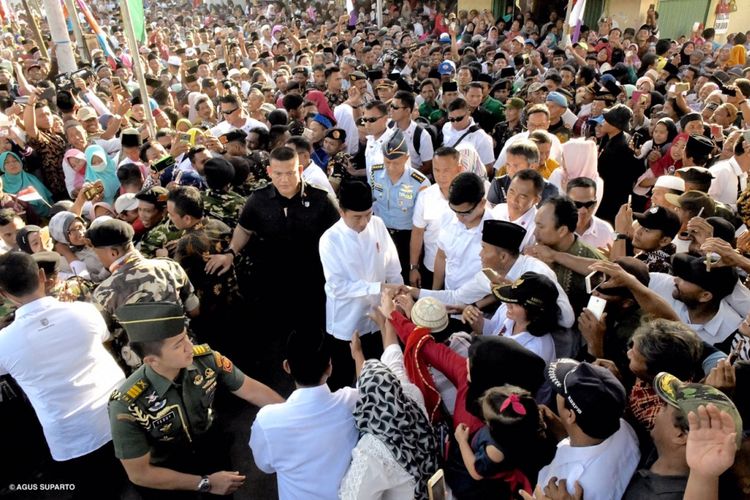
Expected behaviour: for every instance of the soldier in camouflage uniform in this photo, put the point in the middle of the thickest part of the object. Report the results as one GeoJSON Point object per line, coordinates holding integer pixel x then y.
{"type": "Point", "coordinates": [338, 166]}
{"type": "Point", "coordinates": [73, 289]}
{"type": "Point", "coordinates": [134, 279]}
{"type": "Point", "coordinates": [162, 416]}
{"type": "Point", "coordinates": [152, 211]}
{"type": "Point", "coordinates": [257, 177]}
{"type": "Point", "coordinates": [220, 201]}
{"type": "Point", "coordinates": [159, 241]}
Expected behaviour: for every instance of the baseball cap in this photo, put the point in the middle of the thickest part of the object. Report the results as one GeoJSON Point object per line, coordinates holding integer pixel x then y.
{"type": "Point", "coordinates": [86, 113]}
{"type": "Point", "coordinates": [595, 396]}
{"type": "Point", "coordinates": [661, 219]}
{"type": "Point", "coordinates": [174, 61]}
{"type": "Point", "coordinates": [720, 281]}
{"type": "Point", "coordinates": [687, 397]}
{"type": "Point", "coordinates": [444, 38]}
{"type": "Point", "coordinates": [530, 290]}
{"type": "Point", "coordinates": [535, 87]}
{"type": "Point", "coordinates": [447, 67]}
{"type": "Point", "coordinates": [670, 182]}
{"type": "Point", "coordinates": [519, 39]}
{"type": "Point", "coordinates": [126, 202]}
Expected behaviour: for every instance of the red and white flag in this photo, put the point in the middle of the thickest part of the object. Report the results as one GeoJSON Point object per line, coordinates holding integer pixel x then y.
{"type": "Point", "coordinates": [29, 194]}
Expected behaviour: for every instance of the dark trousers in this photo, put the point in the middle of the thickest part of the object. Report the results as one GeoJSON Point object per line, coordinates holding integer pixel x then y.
{"type": "Point", "coordinates": [341, 358]}
{"type": "Point", "coordinates": [402, 239]}
{"type": "Point", "coordinates": [98, 474]}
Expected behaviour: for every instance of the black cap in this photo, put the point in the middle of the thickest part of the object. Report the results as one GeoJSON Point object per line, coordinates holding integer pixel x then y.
{"type": "Point", "coordinates": [720, 281]}
{"type": "Point", "coordinates": [111, 232]}
{"type": "Point", "coordinates": [450, 87]}
{"type": "Point", "coordinates": [530, 290]}
{"type": "Point", "coordinates": [507, 72]}
{"type": "Point", "coordinates": [723, 229]}
{"type": "Point", "coordinates": [355, 196]}
{"type": "Point", "coordinates": [695, 174]}
{"type": "Point", "coordinates": [595, 396]}
{"type": "Point", "coordinates": [619, 116]}
{"type": "Point", "coordinates": [156, 195]}
{"type": "Point", "coordinates": [131, 138]}
{"type": "Point", "coordinates": [337, 134]}
{"type": "Point", "coordinates": [503, 234]}
{"type": "Point", "coordinates": [153, 82]}
{"type": "Point", "coordinates": [700, 144]}
{"type": "Point", "coordinates": [151, 321]}
{"type": "Point", "coordinates": [661, 219]}
{"type": "Point", "coordinates": [236, 135]}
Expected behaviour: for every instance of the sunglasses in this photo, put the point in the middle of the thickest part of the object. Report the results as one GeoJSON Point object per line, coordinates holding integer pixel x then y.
{"type": "Point", "coordinates": [456, 118]}
{"type": "Point", "coordinates": [396, 108]}
{"type": "Point", "coordinates": [228, 112]}
{"type": "Point", "coordinates": [371, 120]}
{"type": "Point", "coordinates": [467, 212]}
{"type": "Point", "coordinates": [584, 204]}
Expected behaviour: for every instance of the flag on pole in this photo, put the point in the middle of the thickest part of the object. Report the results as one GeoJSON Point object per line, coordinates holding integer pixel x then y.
{"type": "Point", "coordinates": [29, 194]}
{"type": "Point", "coordinates": [576, 14]}
{"type": "Point", "coordinates": [138, 18]}
{"type": "Point", "coordinates": [100, 35]}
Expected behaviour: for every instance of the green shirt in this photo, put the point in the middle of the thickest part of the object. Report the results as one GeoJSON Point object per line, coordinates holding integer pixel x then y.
{"type": "Point", "coordinates": [152, 414]}
{"type": "Point", "coordinates": [158, 237]}
{"type": "Point", "coordinates": [572, 283]}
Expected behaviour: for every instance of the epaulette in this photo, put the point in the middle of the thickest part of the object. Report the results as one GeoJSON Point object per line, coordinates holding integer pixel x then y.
{"type": "Point", "coordinates": [417, 176]}
{"type": "Point", "coordinates": [377, 167]}
{"type": "Point", "coordinates": [201, 350]}
{"type": "Point", "coordinates": [132, 393]}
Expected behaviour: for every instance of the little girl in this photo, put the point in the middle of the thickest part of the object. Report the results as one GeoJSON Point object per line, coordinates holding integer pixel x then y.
{"type": "Point", "coordinates": [654, 150]}
{"type": "Point", "coordinates": [502, 456]}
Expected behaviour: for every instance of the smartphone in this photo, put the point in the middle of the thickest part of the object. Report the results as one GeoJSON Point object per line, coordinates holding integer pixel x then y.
{"type": "Point", "coordinates": [117, 81]}
{"type": "Point", "coordinates": [183, 137]}
{"type": "Point", "coordinates": [92, 192]}
{"type": "Point", "coordinates": [681, 87]}
{"type": "Point", "coordinates": [490, 273]}
{"type": "Point", "coordinates": [23, 100]}
{"type": "Point", "coordinates": [163, 163]}
{"type": "Point", "coordinates": [594, 280]}
{"type": "Point", "coordinates": [735, 354]}
{"type": "Point", "coordinates": [636, 96]}
{"type": "Point", "coordinates": [746, 136]}
{"type": "Point", "coordinates": [716, 129]}
{"type": "Point", "coordinates": [436, 488]}
{"type": "Point", "coordinates": [729, 91]}
{"type": "Point", "coordinates": [596, 305]}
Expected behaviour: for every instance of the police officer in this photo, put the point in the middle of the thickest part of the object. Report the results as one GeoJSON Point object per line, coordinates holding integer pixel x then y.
{"type": "Point", "coordinates": [162, 416]}
{"type": "Point", "coordinates": [395, 187]}
{"type": "Point", "coordinates": [134, 279]}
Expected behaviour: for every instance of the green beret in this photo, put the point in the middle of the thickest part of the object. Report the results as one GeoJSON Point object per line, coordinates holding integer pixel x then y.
{"type": "Point", "coordinates": [151, 321]}
{"type": "Point", "coordinates": [111, 232]}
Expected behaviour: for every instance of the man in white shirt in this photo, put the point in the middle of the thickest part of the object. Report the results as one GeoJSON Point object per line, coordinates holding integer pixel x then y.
{"type": "Point", "coordinates": [700, 297]}
{"type": "Point", "coordinates": [596, 232]}
{"type": "Point", "coordinates": [537, 118]}
{"type": "Point", "coordinates": [601, 451]}
{"type": "Point", "coordinates": [376, 125]}
{"type": "Point", "coordinates": [54, 351]}
{"type": "Point", "coordinates": [307, 441]}
{"type": "Point", "coordinates": [524, 193]}
{"type": "Point", "coordinates": [401, 109]}
{"type": "Point", "coordinates": [359, 259]}
{"type": "Point", "coordinates": [459, 242]}
{"type": "Point", "coordinates": [730, 176]}
{"type": "Point", "coordinates": [311, 173]}
{"type": "Point", "coordinates": [235, 117]}
{"type": "Point", "coordinates": [461, 128]}
{"type": "Point", "coordinates": [431, 213]}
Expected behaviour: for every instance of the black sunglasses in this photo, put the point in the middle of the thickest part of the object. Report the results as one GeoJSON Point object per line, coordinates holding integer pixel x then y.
{"type": "Point", "coordinates": [456, 118]}
{"type": "Point", "coordinates": [371, 120]}
{"type": "Point", "coordinates": [467, 212]}
{"type": "Point", "coordinates": [584, 204]}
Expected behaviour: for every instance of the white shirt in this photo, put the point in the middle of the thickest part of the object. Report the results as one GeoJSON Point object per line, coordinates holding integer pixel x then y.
{"type": "Point", "coordinates": [374, 150]}
{"type": "Point", "coordinates": [599, 233]}
{"type": "Point", "coordinates": [354, 265]}
{"type": "Point", "coordinates": [603, 471]}
{"type": "Point", "coordinates": [54, 351]}
{"type": "Point", "coordinates": [717, 329]}
{"type": "Point", "coordinates": [481, 141]}
{"type": "Point", "coordinates": [426, 152]}
{"type": "Point", "coordinates": [431, 212]}
{"type": "Point", "coordinates": [543, 346]}
{"type": "Point", "coordinates": [315, 176]}
{"type": "Point", "coordinates": [344, 115]}
{"type": "Point", "coordinates": [555, 151]}
{"type": "Point", "coordinates": [461, 247]}
{"type": "Point", "coordinates": [526, 221]}
{"type": "Point", "coordinates": [225, 127]}
{"type": "Point", "coordinates": [307, 441]}
{"type": "Point", "coordinates": [724, 184]}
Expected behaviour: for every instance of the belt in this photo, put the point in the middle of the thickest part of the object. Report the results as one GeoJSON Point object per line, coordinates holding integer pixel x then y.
{"type": "Point", "coordinates": [398, 231]}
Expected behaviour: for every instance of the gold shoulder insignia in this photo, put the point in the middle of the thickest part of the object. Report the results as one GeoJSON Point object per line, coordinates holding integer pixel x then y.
{"type": "Point", "coordinates": [135, 391]}
{"type": "Point", "coordinates": [377, 167]}
{"type": "Point", "coordinates": [417, 176]}
{"type": "Point", "coordinates": [115, 395]}
{"type": "Point", "coordinates": [201, 350]}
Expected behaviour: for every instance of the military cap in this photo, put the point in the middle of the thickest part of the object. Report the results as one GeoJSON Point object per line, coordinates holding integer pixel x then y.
{"type": "Point", "coordinates": [357, 75]}
{"type": "Point", "coordinates": [337, 134]}
{"type": "Point", "coordinates": [111, 232]}
{"type": "Point", "coordinates": [396, 147]}
{"type": "Point", "coordinates": [355, 196]}
{"type": "Point", "coordinates": [515, 103]}
{"type": "Point", "coordinates": [503, 234]}
{"type": "Point", "coordinates": [156, 195]}
{"type": "Point", "coordinates": [131, 138]}
{"type": "Point", "coordinates": [151, 321]}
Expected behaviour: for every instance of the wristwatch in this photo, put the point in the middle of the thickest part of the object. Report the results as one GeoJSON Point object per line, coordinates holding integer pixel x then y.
{"type": "Point", "coordinates": [621, 236]}
{"type": "Point", "coordinates": [230, 250]}
{"type": "Point", "coordinates": [204, 486]}
{"type": "Point", "coordinates": [413, 267]}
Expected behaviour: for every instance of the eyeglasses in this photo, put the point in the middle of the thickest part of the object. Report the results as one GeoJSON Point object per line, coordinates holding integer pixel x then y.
{"type": "Point", "coordinates": [371, 119]}
{"type": "Point", "coordinates": [584, 204]}
{"type": "Point", "coordinates": [456, 118]}
{"type": "Point", "coordinates": [467, 212]}
{"type": "Point", "coordinates": [227, 113]}
{"type": "Point", "coordinates": [396, 108]}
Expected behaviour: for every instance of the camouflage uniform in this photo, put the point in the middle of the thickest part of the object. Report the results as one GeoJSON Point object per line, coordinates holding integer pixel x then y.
{"type": "Point", "coordinates": [223, 205]}
{"type": "Point", "coordinates": [337, 166]}
{"type": "Point", "coordinates": [334, 99]}
{"type": "Point", "coordinates": [158, 237]}
{"type": "Point", "coordinates": [258, 176]}
{"type": "Point", "coordinates": [152, 414]}
{"type": "Point", "coordinates": [73, 289]}
{"type": "Point", "coordinates": [137, 279]}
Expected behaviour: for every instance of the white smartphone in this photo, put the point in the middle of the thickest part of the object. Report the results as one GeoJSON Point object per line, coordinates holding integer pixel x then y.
{"type": "Point", "coordinates": [490, 273]}
{"type": "Point", "coordinates": [596, 305]}
{"type": "Point", "coordinates": [436, 488]}
{"type": "Point", "coordinates": [593, 280]}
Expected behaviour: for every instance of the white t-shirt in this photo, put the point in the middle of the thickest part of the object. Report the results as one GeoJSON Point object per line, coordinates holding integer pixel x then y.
{"type": "Point", "coordinates": [431, 212]}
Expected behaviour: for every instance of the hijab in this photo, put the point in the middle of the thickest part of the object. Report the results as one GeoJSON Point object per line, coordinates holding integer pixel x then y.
{"type": "Point", "coordinates": [496, 361]}
{"type": "Point", "coordinates": [68, 168]}
{"type": "Point", "coordinates": [59, 226]}
{"type": "Point", "coordinates": [105, 172]}
{"type": "Point", "coordinates": [193, 98]}
{"type": "Point", "coordinates": [580, 159]}
{"type": "Point", "coordinates": [397, 421]}
{"type": "Point", "coordinates": [13, 183]}
{"type": "Point", "coordinates": [22, 238]}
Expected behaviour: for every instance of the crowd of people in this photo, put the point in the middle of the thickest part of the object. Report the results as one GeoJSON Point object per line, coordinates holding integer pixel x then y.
{"type": "Point", "coordinates": [491, 261]}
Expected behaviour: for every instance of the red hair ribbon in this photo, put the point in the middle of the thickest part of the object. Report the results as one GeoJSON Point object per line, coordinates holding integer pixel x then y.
{"type": "Point", "coordinates": [514, 402]}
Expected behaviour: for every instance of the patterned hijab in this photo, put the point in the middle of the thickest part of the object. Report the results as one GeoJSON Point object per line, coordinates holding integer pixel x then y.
{"type": "Point", "coordinates": [384, 411]}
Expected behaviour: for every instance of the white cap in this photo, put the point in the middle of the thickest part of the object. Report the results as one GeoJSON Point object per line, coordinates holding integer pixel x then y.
{"type": "Point", "coordinates": [174, 61]}
{"type": "Point", "coordinates": [126, 202]}
{"type": "Point", "coordinates": [670, 182]}
{"type": "Point", "coordinates": [233, 72]}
